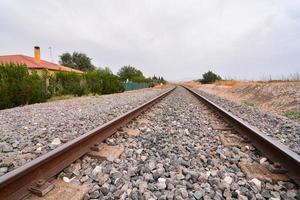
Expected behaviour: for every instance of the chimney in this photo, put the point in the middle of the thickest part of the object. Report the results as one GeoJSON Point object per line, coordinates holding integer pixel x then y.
{"type": "Point", "coordinates": [37, 54]}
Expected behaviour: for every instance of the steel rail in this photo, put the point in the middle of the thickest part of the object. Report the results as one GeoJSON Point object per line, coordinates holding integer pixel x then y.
{"type": "Point", "coordinates": [15, 184]}
{"type": "Point", "coordinates": [275, 151]}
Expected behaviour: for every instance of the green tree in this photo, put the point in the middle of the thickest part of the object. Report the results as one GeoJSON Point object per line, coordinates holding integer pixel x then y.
{"type": "Point", "coordinates": [77, 61]}
{"type": "Point", "coordinates": [210, 77]}
{"type": "Point", "coordinates": [131, 74]}
{"type": "Point", "coordinates": [158, 80]}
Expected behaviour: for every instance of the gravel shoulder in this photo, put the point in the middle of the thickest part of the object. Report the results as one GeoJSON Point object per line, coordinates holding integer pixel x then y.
{"type": "Point", "coordinates": [176, 156]}
{"type": "Point", "coordinates": [278, 127]}
{"type": "Point", "coordinates": [278, 98]}
{"type": "Point", "coordinates": [30, 131]}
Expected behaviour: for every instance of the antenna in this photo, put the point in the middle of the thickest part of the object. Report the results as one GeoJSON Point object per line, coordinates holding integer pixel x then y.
{"type": "Point", "coordinates": [50, 51]}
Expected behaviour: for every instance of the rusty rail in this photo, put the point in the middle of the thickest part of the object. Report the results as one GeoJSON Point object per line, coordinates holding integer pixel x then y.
{"type": "Point", "coordinates": [275, 151]}
{"type": "Point", "coordinates": [15, 184]}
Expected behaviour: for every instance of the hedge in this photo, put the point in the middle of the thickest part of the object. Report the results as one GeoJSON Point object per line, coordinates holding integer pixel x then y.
{"type": "Point", "coordinates": [19, 87]}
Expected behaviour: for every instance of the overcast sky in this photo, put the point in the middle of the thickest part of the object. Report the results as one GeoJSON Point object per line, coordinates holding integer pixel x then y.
{"type": "Point", "coordinates": [244, 39]}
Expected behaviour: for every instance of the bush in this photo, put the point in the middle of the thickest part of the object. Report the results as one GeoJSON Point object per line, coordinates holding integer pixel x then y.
{"type": "Point", "coordinates": [35, 89]}
{"type": "Point", "coordinates": [18, 87]}
{"type": "Point", "coordinates": [111, 84]}
{"type": "Point", "coordinates": [66, 83]}
{"type": "Point", "coordinates": [94, 82]}
{"type": "Point", "coordinates": [210, 77]}
{"type": "Point", "coordinates": [101, 81]}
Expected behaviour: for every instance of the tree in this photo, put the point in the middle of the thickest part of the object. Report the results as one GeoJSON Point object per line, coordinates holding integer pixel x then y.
{"type": "Point", "coordinates": [66, 60]}
{"type": "Point", "coordinates": [158, 80]}
{"type": "Point", "coordinates": [77, 61]}
{"type": "Point", "coordinates": [154, 78]}
{"type": "Point", "coordinates": [210, 77]}
{"type": "Point", "coordinates": [130, 73]}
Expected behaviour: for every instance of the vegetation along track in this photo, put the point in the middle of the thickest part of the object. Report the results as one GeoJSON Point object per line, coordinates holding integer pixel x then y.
{"type": "Point", "coordinates": [179, 156]}
{"type": "Point", "coordinates": [16, 184]}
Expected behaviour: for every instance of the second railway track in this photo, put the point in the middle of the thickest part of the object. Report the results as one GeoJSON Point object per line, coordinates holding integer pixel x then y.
{"type": "Point", "coordinates": [183, 151]}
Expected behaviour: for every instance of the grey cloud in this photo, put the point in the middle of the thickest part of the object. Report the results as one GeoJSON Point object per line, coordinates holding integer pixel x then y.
{"type": "Point", "coordinates": [176, 39]}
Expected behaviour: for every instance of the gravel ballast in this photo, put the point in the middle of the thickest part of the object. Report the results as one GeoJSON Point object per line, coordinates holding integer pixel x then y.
{"type": "Point", "coordinates": [30, 131]}
{"type": "Point", "coordinates": [280, 128]}
{"type": "Point", "coordinates": [176, 156]}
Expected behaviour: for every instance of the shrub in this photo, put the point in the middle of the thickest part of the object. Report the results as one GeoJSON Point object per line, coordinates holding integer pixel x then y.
{"type": "Point", "coordinates": [66, 83]}
{"type": "Point", "coordinates": [94, 82]}
{"type": "Point", "coordinates": [111, 84]}
{"type": "Point", "coordinates": [18, 87]}
{"type": "Point", "coordinates": [35, 89]}
{"type": "Point", "coordinates": [210, 77]}
{"type": "Point", "coordinates": [101, 81]}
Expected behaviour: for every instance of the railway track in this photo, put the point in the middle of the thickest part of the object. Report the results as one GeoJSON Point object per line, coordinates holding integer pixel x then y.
{"type": "Point", "coordinates": [274, 150]}
{"type": "Point", "coordinates": [15, 185]}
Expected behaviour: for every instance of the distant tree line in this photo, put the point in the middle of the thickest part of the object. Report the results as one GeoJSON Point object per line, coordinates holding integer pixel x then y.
{"type": "Point", "coordinates": [131, 74]}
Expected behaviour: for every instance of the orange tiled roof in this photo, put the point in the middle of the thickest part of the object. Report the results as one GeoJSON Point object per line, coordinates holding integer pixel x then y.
{"type": "Point", "coordinates": [31, 64]}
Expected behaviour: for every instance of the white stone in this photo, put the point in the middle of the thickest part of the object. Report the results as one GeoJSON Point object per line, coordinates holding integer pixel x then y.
{"type": "Point", "coordinates": [261, 161]}
{"type": "Point", "coordinates": [205, 175]}
{"type": "Point", "coordinates": [3, 169]}
{"type": "Point", "coordinates": [186, 131]}
{"type": "Point", "coordinates": [257, 183]}
{"type": "Point", "coordinates": [247, 147]}
{"type": "Point", "coordinates": [214, 172]}
{"type": "Point", "coordinates": [161, 185]}
{"type": "Point", "coordinates": [66, 179]}
{"type": "Point", "coordinates": [228, 179]}
{"type": "Point", "coordinates": [39, 149]}
{"type": "Point", "coordinates": [143, 158]}
{"type": "Point", "coordinates": [97, 170]}
{"type": "Point", "coordinates": [56, 142]}
{"type": "Point", "coordinates": [208, 174]}
{"type": "Point", "coordinates": [161, 180]}
{"type": "Point", "coordinates": [139, 151]}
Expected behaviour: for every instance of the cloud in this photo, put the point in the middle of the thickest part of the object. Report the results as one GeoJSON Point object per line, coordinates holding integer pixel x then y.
{"type": "Point", "coordinates": [176, 39]}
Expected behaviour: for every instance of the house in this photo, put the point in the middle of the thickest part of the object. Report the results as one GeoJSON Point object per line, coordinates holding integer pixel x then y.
{"type": "Point", "coordinates": [35, 63]}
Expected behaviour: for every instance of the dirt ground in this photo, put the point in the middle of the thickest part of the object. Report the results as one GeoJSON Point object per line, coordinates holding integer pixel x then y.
{"type": "Point", "coordinates": [275, 97]}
